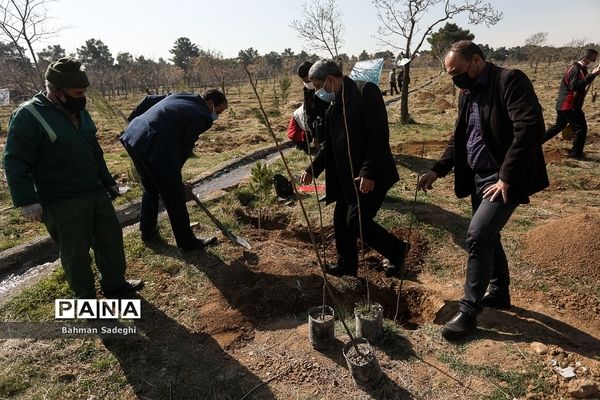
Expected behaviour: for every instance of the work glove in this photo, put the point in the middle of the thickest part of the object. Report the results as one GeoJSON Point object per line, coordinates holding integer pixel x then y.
{"type": "Point", "coordinates": [32, 212]}
{"type": "Point", "coordinates": [113, 192]}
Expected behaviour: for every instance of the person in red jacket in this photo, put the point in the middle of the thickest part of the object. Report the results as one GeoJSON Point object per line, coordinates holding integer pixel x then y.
{"type": "Point", "coordinates": [573, 88]}
{"type": "Point", "coordinates": [296, 131]}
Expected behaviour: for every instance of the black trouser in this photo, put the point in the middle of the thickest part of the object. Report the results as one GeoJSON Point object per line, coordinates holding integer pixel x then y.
{"type": "Point", "coordinates": [392, 88]}
{"type": "Point", "coordinates": [576, 118]}
{"type": "Point", "coordinates": [172, 192]}
{"type": "Point", "coordinates": [346, 228]}
{"type": "Point", "coordinates": [487, 264]}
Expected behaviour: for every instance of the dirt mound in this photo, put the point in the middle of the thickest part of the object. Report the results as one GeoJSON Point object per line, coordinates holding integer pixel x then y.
{"type": "Point", "coordinates": [426, 96]}
{"type": "Point", "coordinates": [280, 277]}
{"type": "Point", "coordinates": [555, 155]}
{"type": "Point", "coordinates": [442, 104]}
{"type": "Point", "coordinates": [446, 88]}
{"type": "Point", "coordinates": [569, 245]}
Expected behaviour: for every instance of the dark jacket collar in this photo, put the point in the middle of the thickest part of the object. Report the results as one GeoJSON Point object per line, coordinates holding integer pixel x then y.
{"type": "Point", "coordinates": [482, 81]}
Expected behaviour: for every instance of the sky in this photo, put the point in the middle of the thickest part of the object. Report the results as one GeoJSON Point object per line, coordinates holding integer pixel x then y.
{"type": "Point", "coordinates": [150, 27]}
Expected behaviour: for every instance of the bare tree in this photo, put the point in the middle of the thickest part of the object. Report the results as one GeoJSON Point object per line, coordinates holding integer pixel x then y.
{"type": "Point", "coordinates": [534, 49]}
{"type": "Point", "coordinates": [218, 67]}
{"type": "Point", "coordinates": [321, 27]}
{"type": "Point", "coordinates": [23, 22]}
{"type": "Point", "coordinates": [401, 21]}
{"type": "Point", "coordinates": [573, 49]}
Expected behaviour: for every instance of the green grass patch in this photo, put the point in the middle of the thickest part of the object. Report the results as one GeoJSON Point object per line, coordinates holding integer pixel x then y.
{"type": "Point", "coordinates": [36, 303]}
{"type": "Point", "coordinates": [513, 383]}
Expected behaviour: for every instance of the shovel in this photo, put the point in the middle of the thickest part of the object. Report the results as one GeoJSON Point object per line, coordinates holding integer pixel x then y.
{"type": "Point", "coordinates": [226, 232]}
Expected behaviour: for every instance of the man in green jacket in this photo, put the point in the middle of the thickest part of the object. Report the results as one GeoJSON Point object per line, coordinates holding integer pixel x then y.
{"type": "Point", "coordinates": [57, 175]}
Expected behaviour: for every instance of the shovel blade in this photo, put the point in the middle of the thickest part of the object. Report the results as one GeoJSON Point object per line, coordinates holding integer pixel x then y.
{"type": "Point", "coordinates": [239, 240]}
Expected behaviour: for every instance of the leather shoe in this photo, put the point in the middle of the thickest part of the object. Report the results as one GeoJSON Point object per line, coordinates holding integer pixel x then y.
{"type": "Point", "coordinates": [336, 270]}
{"type": "Point", "coordinates": [460, 326]}
{"type": "Point", "coordinates": [496, 300]}
{"type": "Point", "coordinates": [199, 244]}
{"type": "Point", "coordinates": [397, 266]}
{"type": "Point", "coordinates": [130, 286]}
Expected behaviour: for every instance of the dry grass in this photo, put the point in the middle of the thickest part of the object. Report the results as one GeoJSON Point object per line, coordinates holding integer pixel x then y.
{"type": "Point", "coordinates": [193, 350]}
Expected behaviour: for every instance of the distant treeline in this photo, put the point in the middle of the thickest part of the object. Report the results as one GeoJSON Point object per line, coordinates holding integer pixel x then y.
{"type": "Point", "coordinates": [193, 69]}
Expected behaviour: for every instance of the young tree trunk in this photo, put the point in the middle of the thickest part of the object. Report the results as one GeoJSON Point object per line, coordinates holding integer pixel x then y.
{"type": "Point", "coordinates": [259, 218]}
{"type": "Point", "coordinates": [404, 115]}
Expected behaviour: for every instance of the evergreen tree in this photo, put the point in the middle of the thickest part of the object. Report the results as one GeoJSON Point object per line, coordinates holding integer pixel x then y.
{"type": "Point", "coordinates": [183, 52]}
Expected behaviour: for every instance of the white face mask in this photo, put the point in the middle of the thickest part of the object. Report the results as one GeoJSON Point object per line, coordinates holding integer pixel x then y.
{"type": "Point", "coordinates": [324, 95]}
{"type": "Point", "coordinates": [214, 114]}
{"type": "Point", "coordinates": [309, 85]}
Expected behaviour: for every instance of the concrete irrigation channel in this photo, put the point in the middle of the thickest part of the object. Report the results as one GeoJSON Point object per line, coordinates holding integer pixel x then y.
{"type": "Point", "coordinates": [27, 263]}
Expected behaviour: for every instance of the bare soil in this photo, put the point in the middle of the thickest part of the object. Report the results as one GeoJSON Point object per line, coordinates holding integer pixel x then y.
{"type": "Point", "coordinates": [568, 246]}
{"type": "Point", "coordinates": [221, 323]}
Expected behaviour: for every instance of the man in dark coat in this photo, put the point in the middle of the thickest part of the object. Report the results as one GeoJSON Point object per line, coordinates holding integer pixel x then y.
{"type": "Point", "coordinates": [497, 159]}
{"type": "Point", "coordinates": [159, 139]}
{"type": "Point", "coordinates": [313, 106]}
{"type": "Point", "coordinates": [569, 104]}
{"type": "Point", "coordinates": [393, 80]}
{"type": "Point", "coordinates": [362, 177]}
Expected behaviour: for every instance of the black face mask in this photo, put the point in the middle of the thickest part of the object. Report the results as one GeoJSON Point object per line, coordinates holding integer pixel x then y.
{"type": "Point", "coordinates": [464, 81]}
{"type": "Point", "coordinates": [74, 104]}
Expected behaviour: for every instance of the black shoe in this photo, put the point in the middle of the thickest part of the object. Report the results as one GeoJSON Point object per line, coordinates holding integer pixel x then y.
{"type": "Point", "coordinates": [460, 326]}
{"type": "Point", "coordinates": [396, 266]}
{"type": "Point", "coordinates": [150, 236]}
{"type": "Point", "coordinates": [199, 244]}
{"type": "Point", "coordinates": [496, 300]}
{"type": "Point", "coordinates": [392, 270]}
{"type": "Point", "coordinates": [130, 286]}
{"type": "Point", "coordinates": [576, 156]}
{"type": "Point", "coordinates": [336, 270]}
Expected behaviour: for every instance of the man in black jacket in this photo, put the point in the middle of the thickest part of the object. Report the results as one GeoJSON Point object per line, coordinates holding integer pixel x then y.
{"type": "Point", "coordinates": [160, 138]}
{"type": "Point", "coordinates": [569, 104]}
{"type": "Point", "coordinates": [497, 159]}
{"type": "Point", "coordinates": [313, 106]}
{"type": "Point", "coordinates": [356, 122]}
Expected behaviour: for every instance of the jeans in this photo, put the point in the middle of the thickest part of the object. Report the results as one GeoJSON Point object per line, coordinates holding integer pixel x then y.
{"type": "Point", "coordinates": [486, 264]}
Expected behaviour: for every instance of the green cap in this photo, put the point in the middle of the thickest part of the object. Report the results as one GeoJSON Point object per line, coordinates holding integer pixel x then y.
{"type": "Point", "coordinates": [67, 73]}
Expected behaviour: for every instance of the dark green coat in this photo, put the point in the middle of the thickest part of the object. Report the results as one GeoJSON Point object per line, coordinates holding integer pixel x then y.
{"type": "Point", "coordinates": [41, 171]}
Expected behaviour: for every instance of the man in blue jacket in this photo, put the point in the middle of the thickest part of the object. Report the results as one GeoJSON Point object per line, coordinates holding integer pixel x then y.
{"type": "Point", "coordinates": [159, 139]}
